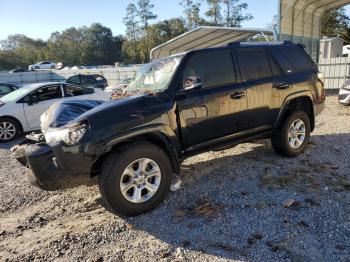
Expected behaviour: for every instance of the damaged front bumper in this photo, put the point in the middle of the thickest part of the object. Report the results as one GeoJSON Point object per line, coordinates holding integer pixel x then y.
{"type": "Point", "coordinates": [53, 167]}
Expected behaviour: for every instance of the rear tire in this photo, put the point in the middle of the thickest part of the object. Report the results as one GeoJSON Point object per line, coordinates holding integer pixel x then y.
{"type": "Point", "coordinates": [293, 136]}
{"type": "Point", "coordinates": [135, 179]}
{"type": "Point", "coordinates": [9, 129]}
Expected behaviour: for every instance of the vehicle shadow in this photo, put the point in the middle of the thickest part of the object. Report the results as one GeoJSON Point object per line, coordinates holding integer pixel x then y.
{"type": "Point", "coordinates": [224, 210]}
{"type": "Point", "coordinates": [7, 146]}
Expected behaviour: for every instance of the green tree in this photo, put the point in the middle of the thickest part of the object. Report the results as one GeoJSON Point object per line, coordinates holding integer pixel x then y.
{"type": "Point", "coordinates": [145, 12]}
{"type": "Point", "coordinates": [234, 13]}
{"type": "Point", "coordinates": [335, 22]}
{"type": "Point", "coordinates": [132, 28]}
{"type": "Point", "coordinates": [214, 12]}
{"type": "Point", "coordinates": [191, 11]}
{"type": "Point", "coordinates": [157, 34]}
{"type": "Point", "coordinates": [66, 46]}
{"type": "Point", "coordinates": [22, 49]}
{"type": "Point", "coordinates": [94, 45]}
{"type": "Point", "coordinates": [131, 22]}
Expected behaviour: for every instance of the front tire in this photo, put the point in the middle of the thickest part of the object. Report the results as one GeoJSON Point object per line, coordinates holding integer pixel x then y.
{"type": "Point", "coordinates": [135, 179]}
{"type": "Point", "coordinates": [9, 130]}
{"type": "Point", "coordinates": [293, 136]}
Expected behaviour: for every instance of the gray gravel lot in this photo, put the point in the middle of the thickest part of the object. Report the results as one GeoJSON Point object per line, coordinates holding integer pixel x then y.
{"type": "Point", "coordinates": [231, 207]}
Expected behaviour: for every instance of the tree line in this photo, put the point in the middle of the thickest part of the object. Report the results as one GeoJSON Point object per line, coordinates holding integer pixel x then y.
{"type": "Point", "coordinates": [96, 44]}
{"type": "Point", "coordinates": [141, 37]}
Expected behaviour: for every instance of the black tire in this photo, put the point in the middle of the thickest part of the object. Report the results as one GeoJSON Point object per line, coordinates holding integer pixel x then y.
{"type": "Point", "coordinates": [280, 142]}
{"type": "Point", "coordinates": [111, 175]}
{"type": "Point", "coordinates": [52, 67]}
{"type": "Point", "coordinates": [16, 126]}
{"type": "Point", "coordinates": [37, 67]}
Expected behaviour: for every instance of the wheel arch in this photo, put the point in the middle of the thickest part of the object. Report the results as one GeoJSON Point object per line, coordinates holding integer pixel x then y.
{"type": "Point", "coordinates": [303, 103]}
{"type": "Point", "coordinates": [14, 119]}
{"type": "Point", "coordinates": [159, 139]}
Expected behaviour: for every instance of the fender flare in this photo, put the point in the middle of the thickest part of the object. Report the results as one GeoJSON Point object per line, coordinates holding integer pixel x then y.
{"type": "Point", "coordinates": [288, 100]}
{"type": "Point", "coordinates": [169, 141]}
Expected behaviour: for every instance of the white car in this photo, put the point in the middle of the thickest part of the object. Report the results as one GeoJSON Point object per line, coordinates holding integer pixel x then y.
{"type": "Point", "coordinates": [344, 93]}
{"type": "Point", "coordinates": [20, 110]}
{"type": "Point", "coordinates": [42, 65]}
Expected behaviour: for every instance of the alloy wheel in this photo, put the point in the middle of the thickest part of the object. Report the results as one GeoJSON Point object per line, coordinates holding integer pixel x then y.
{"type": "Point", "coordinates": [296, 134]}
{"type": "Point", "coordinates": [7, 131]}
{"type": "Point", "coordinates": [140, 180]}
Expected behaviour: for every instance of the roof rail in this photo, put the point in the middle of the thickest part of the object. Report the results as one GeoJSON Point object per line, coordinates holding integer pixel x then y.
{"type": "Point", "coordinates": [237, 44]}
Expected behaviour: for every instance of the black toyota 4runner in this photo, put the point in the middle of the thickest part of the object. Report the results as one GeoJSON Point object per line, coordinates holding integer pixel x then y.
{"type": "Point", "coordinates": [176, 107]}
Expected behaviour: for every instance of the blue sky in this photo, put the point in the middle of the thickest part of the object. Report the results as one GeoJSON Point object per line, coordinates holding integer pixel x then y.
{"type": "Point", "coordinates": [39, 18]}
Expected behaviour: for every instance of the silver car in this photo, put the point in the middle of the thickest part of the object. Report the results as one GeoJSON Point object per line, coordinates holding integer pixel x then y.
{"type": "Point", "coordinates": [344, 93]}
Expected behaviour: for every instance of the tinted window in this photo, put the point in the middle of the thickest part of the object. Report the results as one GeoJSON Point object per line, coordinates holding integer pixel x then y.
{"type": "Point", "coordinates": [293, 59]}
{"type": "Point", "coordinates": [75, 90]}
{"type": "Point", "coordinates": [254, 64]}
{"type": "Point", "coordinates": [73, 80]}
{"type": "Point", "coordinates": [88, 81]}
{"type": "Point", "coordinates": [4, 89]}
{"type": "Point", "coordinates": [47, 93]}
{"type": "Point", "coordinates": [276, 70]}
{"type": "Point", "coordinates": [213, 67]}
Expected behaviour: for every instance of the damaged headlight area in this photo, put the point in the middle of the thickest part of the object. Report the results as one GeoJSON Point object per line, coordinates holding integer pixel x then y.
{"type": "Point", "coordinates": [70, 134]}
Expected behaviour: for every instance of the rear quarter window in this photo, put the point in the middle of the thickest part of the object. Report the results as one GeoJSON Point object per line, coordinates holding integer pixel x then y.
{"type": "Point", "coordinates": [293, 59]}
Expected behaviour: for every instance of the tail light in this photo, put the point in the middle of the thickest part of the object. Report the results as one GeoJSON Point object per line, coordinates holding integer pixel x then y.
{"type": "Point", "coordinates": [320, 86]}
{"type": "Point", "coordinates": [321, 77]}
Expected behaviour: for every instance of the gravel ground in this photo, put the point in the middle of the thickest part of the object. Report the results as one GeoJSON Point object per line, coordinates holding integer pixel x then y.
{"type": "Point", "coordinates": [240, 204]}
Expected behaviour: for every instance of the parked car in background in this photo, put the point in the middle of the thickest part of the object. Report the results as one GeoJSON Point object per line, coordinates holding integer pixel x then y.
{"type": "Point", "coordinates": [20, 110]}
{"type": "Point", "coordinates": [344, 93]}
{"type": "Point", "coordinates": [6, 88]}
{"type": "Point", "coordinates": [120, 86]}
{"type": "Point", "coordinates": [94, 80]}
{"type": "Point", "coordinates": [177, 107]}
{"type": "Point", "coordinates": [18, 70]}
{"type": "Point", "coordinates": [60, 65]}
{"type": "Point", "coordinates": [42, 65]}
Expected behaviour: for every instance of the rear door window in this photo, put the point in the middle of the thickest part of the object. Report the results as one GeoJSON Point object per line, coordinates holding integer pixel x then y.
{"type": "Point", "coordinates": [214, 68]}
{"type": "Point", "coordinates": [88, 81]}
{"type": "Point", "coordinates": [74, 80]}
{"type": "Point", "coordinates": [254, 64]}
{"type": "Point", "coordinates": [76, 90]}
{"type": "Point", "coordinates": [293, 59]}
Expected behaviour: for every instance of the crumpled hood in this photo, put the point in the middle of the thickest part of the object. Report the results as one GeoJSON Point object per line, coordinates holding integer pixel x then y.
{"type": "Point", "coordinates": [63, 112]}
{"type": "Point", "coordinates": [105, 119]}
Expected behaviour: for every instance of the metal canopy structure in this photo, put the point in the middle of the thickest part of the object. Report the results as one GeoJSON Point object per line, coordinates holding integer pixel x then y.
{"type": "Point", "coordinates": [300, 21]}
{"type": "Point", "coordinates": [205, 37]}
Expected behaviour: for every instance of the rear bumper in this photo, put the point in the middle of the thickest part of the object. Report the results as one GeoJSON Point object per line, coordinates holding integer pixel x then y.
{"type": "Point", "coordinates": [53, 168]}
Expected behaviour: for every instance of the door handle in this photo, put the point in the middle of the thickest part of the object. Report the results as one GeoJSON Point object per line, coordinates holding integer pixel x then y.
{"type": "Point", "coordinates": [281, 86]}
{"type": "Point", "coordinates": [237, 95]}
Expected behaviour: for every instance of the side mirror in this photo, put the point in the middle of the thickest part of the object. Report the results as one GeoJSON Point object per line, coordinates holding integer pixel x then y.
{"type": "Point", "coordinates": [192, 83]}
{"type": "Point", "coordinates": [33, 100]}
